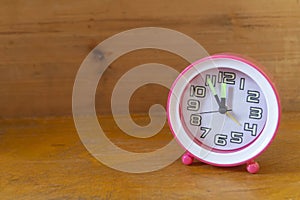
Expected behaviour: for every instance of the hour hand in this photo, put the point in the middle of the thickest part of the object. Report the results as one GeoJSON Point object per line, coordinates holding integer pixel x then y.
{"type": "Point", "coordinates": [214, 92]}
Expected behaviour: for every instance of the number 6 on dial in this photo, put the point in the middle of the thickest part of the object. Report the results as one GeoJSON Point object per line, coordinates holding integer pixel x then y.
{"type": "Point", "coordinates": [224, 111]}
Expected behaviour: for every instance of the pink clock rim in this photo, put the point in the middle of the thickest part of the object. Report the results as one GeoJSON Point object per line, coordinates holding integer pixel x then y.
{"type": "Point", "coordinates": [238, 58]}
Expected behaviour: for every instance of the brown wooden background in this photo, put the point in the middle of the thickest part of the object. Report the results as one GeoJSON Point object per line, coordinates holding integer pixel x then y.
{"type": "Point", "coordinates": [42, 44]}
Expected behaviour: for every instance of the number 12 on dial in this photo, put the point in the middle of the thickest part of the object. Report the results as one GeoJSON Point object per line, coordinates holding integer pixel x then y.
{"type": "Point", "coordinates": [224, 111]}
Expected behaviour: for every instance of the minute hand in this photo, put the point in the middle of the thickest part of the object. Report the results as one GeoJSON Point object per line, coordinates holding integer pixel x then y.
{"type": "Point", "coordinates": [222, 107]}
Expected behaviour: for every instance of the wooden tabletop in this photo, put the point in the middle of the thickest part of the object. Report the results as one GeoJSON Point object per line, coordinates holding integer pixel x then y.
{"type": "Point", "coordinates": [45, 159]}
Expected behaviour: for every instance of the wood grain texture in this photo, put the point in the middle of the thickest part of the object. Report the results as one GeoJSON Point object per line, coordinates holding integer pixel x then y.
{"type": "Point", "coordinates": [42, 44]}
{"type": "Point", "coordinates": [44, 159]}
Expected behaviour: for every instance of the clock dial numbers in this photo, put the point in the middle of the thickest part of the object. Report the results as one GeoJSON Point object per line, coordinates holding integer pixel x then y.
{"type": "Point", "coordinates": [229, 78]}
{"type": "Point", "coordinates": [242, 84]}
{"type": "Point", "coordinates": [197, 91]}
{"type": "Point", "coordinates": [195, 120]}
{"type": "Point", "coordinates": [255, 113]}
{"type": "Point", "coordinates": [210, 80]}
{"type": "Point", "coordinates": [252, 128]}
{"type": "Point", "coordinates": [223, 77]}
{"type": "Point", "coordinates": [243, 110]}
{"type": "Point", "coordinates": [193, 105]}
{"type": "Point", "coordinates": [220, 77]}
{"type": "Point", "coordinates": [253, 96]}
{"type": "Point", "coordinates": [205, 131]}
{"type": "Point", "coordinates": [220, 139]}
{"type": "Point", "coordinates": [236, 137]}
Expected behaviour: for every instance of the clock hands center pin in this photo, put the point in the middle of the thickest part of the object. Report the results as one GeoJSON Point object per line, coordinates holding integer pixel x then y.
{"type": "Point", "coordinates": [222, 103]}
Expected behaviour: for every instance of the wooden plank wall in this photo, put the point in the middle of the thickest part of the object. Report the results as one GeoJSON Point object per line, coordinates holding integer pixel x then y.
{"type": "Point", "coordinates": [42, 44]}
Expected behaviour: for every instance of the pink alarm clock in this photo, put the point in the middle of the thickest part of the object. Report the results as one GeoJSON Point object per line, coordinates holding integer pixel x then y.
{"type": "Point", "coordinates": [224, 111]}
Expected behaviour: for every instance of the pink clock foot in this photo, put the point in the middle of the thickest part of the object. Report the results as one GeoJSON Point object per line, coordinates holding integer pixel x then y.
{"type": "Point", "coordinates": [252, 167]}
{"type": "Point", "coordinates": [187, 159]}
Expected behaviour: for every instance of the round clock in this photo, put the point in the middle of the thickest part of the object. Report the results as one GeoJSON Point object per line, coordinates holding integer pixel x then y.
{"type": "Point", "coordinates": [224, 111]}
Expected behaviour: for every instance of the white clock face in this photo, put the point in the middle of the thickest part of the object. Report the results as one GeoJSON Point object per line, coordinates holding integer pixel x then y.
{"type": "Point", "coordinates": [238, 125]}
{"type": "Point", "coordinates": [223, 110]}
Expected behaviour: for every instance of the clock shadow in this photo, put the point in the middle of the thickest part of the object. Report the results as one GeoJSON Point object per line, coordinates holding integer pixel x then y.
{"type": "Point", "coordinates": [282, 156]}
{"type": "Point", "coordinates": [239, 168]}
{"type": "Point", "coordinates": [277, 159]}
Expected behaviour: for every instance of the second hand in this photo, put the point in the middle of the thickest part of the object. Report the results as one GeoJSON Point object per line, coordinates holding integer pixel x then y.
{"type": "Point", "coordinates": [215, 111]}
